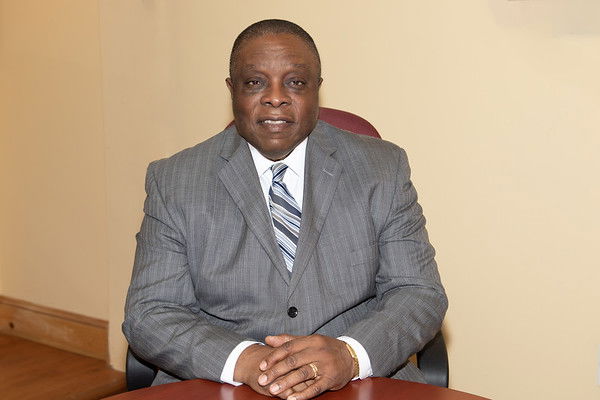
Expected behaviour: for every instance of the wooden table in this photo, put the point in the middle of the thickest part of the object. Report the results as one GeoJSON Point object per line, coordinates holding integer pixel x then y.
{"type": "Point", "coordinates": [368, 389]}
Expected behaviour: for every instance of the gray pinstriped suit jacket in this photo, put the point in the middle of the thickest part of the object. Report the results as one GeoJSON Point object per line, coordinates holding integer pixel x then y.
{"type": "Point", "coordinates": [208, 273]}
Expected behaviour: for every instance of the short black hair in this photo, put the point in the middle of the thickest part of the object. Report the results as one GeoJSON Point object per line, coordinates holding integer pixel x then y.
{"type": "Point", "coordinates": [271, 27]}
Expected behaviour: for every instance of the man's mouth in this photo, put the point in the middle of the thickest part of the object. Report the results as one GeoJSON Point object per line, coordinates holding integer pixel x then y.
{"type": "Point", "coordinates": [278, 121]}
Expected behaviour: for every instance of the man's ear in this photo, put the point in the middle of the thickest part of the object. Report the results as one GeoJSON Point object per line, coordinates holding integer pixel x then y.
{"type": "Point", "coordinates": [320, 81]}
{"type": "Point", "coordinates": [229, 83]}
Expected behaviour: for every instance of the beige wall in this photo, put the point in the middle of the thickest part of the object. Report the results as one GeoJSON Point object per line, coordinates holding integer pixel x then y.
{"type": "Point", "coordinates": [53, 203]}
{"type": "Point", "coordinates": [495, 101]}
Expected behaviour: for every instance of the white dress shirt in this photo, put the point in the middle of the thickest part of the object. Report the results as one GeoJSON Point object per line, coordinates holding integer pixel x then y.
{"type": "Point", "coordinates": [294, 181]}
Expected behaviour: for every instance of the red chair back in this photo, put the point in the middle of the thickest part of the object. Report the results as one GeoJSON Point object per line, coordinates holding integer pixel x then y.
{"type": "Point", "coordinates": [347, 121]}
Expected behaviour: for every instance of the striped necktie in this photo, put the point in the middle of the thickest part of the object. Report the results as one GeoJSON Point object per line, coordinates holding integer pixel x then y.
{"type": "Point", "coordinates": [286, 215]}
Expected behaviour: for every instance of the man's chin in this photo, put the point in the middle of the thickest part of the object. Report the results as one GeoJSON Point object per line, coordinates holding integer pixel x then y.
{"type": "Point", "coordinates": [275, 156]}
{"type": "Point", "coordinates": [277, 151]}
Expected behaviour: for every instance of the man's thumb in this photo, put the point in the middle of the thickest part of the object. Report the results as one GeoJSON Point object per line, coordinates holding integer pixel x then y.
{"type": "Point", "coordinates": [278, 340]}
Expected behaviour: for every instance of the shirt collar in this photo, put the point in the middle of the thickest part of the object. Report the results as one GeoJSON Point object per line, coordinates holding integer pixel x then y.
{"type": "Point", "coordinates": [294, 160]}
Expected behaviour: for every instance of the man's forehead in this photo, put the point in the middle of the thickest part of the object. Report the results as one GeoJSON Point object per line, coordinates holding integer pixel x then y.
{"type": "Point", "coordinates": [284, 51]}
{"type": "Point", "coordinates": [274, 43]}
{"type": "Point", "coordinates": [275, 50]}
{"type": "Point", "coordinates": [254, 67]}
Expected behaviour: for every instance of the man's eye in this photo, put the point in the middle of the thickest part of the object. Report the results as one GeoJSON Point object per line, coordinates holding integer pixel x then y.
{"type": "Point", "coordinates": [297, 83]}
{"type": "Point", "coordinates": [252, 82]}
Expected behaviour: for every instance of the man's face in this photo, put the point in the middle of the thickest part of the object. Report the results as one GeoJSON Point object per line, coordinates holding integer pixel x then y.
{"type": "Point", "coordinates": [274, 88]}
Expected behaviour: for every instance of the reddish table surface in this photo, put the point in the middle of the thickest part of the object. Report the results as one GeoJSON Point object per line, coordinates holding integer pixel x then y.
{"type": "Point", "coordinates": [368, 389]}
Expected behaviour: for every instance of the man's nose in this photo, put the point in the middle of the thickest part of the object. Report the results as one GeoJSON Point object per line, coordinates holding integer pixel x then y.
{"type": "Point", "coordinates": [276, 96]}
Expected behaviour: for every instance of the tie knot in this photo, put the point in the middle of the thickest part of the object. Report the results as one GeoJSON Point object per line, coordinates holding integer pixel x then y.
{"type": "Point", "coordinates": [278, 171]}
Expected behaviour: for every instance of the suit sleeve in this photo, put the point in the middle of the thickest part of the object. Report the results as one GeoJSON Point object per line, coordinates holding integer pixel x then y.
{"type": "Point", "coordinates": [410, 301]}
{"type": "Point", "coordinates": [162, 323]}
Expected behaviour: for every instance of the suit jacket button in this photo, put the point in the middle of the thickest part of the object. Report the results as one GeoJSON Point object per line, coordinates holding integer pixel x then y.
{"type": "Point", "coordinates": [292, 312]}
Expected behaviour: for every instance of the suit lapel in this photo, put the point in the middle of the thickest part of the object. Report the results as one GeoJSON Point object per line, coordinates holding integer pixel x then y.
{"type": "Point", "coordinates": [322, 174]}
{"type": "Point", "coordinates": [241, 181]}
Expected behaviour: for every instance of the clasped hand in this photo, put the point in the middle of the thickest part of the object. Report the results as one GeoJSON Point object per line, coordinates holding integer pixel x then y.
{"type": "Point", "coordinates": [283, 368]}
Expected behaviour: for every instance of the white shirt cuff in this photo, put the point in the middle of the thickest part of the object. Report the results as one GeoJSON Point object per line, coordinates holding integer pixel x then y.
{"type": "Point", "coordinates": [364, 362]}
{"type": "Point", "coordinates": [229, 367]}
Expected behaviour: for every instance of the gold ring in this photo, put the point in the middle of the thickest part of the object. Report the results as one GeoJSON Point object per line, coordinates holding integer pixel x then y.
{"type": "Point", "coordinates": [315, 369]}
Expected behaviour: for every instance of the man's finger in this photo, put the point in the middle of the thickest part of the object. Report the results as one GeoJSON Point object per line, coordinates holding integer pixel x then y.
{"type": "Point", "coordinates": [275, 341]}
{"type": "Point", "coordinates": [288, 364]}
{"type": "Point", "coordinates": [296, 389]}
{"type": "Point", "coordinates": [282, 352]}
{"type": "Point", "coordinates": [292, 379]}
{"type": "Point", "coordinates": [311, 391]}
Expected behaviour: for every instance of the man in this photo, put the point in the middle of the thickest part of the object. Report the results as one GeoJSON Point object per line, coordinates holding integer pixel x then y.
{"type": "Point", "coordinates": [282, 253]}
